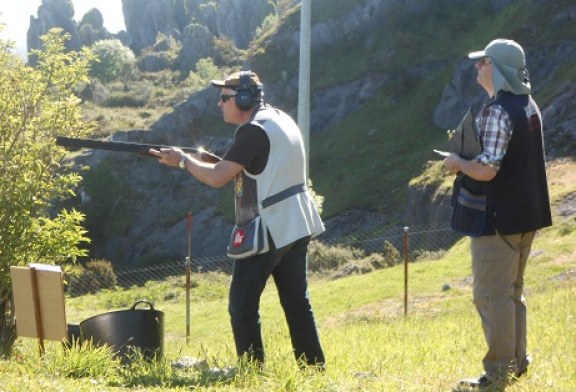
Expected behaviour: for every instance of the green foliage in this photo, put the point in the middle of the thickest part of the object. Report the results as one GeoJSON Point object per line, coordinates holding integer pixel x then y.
{"type": "Point", "coordinates": [329, 258]}
{"type": "Point", "coordinates": [91, 278]}
{"type": "Point", "coordinates": [36, 104]}
{"type": "Point", "coordinates": [365, 334]}
{"type": "Point", "coordinates": [421, 255]}
{"type": "Point", "coordinates": [83, 360]}
{"type": "Point", "coordinates": [168, 44]}
{"type": "Point", "coordinates": [567, 226]}
{"type": "Point", "coordinates": [113, 60]}
{"type": "Point", "coordinates": [391, 254]}
{"type": "Point", "coordinates": [140, 372]}
{"type": "Point", "coordinates": [125, 99]}
{"type": "Point", "coordinates": [323, 257]}
{"type": "Point", "coordinates": [268, 28]}
{"type": "Point", "coordinates": [205, 71]}
{"type": "Point", "coordinates": [228, 53]}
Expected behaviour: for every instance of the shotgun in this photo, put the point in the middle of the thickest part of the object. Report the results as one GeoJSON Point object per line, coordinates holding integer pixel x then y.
{"type": "Point", "coordinates": [72, 144]}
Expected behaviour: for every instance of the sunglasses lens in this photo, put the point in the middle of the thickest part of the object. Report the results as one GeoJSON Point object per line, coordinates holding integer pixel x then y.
{"type": "Point", "coordinates": [225, 97]}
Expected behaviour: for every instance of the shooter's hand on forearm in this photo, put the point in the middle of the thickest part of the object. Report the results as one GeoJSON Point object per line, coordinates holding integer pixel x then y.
{"type": "Point", "coordinates": [213, 174]}
{"type": "Point", "coordinates": [169, 156]}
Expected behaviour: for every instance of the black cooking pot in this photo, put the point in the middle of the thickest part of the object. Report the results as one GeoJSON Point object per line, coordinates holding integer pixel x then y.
{"type": "Point", "coordinates": [126, 330]}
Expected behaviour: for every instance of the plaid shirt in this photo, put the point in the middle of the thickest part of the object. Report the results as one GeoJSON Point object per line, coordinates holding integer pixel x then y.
{"type": "Point", "coordinates": [495, 129]}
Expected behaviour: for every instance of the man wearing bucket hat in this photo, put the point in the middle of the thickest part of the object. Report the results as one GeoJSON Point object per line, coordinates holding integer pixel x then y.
{"type": "Point", "coordinates": [275, 215]}
{"type": "Point", "coordinates": [510, 173]}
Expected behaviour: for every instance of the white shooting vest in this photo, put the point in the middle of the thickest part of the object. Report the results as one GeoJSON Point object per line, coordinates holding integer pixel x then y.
{"type": "Point", "coordinates": [296, 216]}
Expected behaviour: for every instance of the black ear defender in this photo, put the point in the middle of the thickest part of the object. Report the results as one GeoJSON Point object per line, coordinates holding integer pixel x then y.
{"type": "Point", "coordinates": [247, 94]}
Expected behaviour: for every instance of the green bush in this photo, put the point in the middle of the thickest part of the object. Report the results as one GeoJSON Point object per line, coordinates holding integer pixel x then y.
{"type": "Point", "coordinates": [322, 257]}
{"type": "Point", "coordinates": [391, 255]}
{"type": "Point", "coordinates": [376, 261]}
{"type": "Point", "coordinates": [113, 60]}
{"type": "Point", "coordinates": [349, 260]}
{"type": "Point", "coordinates": [422, 255]}
{"type": "Point", "coordinates": [567, 226]}
{"type": "Point", "coordinates": [125, 99]}
{"type": "Point", "coordinates": [94, 276]}
{"type": "Point", "coordinates": [136, 95]}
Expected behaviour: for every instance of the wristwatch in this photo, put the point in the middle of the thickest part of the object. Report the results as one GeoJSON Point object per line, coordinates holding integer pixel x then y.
{"type": "Point", "coordinates": [182, 163]}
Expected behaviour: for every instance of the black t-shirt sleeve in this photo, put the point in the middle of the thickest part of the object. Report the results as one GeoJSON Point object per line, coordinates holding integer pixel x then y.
{"type": "Point", "coordinates": [251, 148]}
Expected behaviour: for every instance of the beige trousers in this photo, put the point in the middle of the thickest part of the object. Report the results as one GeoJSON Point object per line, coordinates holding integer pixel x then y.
{"type": "Point", "coordinates": [498, 266]}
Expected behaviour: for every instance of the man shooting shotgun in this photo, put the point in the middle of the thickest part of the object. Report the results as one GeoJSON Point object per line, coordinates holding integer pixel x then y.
{"type": "Point", "coordinates": [275, 215]}
{"type": "Point", "coordinates": [138, 148]}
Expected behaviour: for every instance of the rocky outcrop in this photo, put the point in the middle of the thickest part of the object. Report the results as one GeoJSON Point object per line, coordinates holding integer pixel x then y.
{"type": "Point", "coordinates": [236, 20]}
{"type": "Point", "coordinates": [145, 19]}
{"type": "Point", "coordinates": [53, 13]}
{"type": "Point", "coordinates": [333, 104]}
{"type": "Point", "coordinates": [60, 13]}
{"type": "Point", "coordinates": [196, 44]}
{"type": "Point", "coordinates": [91, 28]}
{"type": "Point", "coordinates": [560, 122]}
{"type": "Point", "coordinates": [195, 23]}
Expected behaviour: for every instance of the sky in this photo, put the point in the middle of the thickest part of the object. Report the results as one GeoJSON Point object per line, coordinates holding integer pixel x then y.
{"type": "Point", "coordinates": [15, 15]}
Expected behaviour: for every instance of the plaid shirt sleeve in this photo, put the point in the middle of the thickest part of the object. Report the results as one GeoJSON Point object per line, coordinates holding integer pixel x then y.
{"type": "Point", "coordinates": [495, 130]}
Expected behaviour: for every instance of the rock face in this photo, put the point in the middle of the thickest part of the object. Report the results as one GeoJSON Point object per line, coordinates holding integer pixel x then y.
{"type": "Point", "coordinates": [60, 13]}
{"type": "Point", "coordinates": [235, 19]}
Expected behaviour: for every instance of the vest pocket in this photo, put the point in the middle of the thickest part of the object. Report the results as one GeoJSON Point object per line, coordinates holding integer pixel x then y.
{"type": "Point", "coordinates": [469, 215]}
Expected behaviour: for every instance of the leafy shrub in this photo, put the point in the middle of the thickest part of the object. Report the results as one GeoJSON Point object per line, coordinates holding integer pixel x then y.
{"type": "Point", "coordinates": [125, 99]}
{"type": "Point", "coordinates": [94, 276]}
{"type": "Point", "coordinates": [103, 268]}
{"type": "Point", "coordinates": [36, 104]}
{"type": "Point", "coordinates": [376, 261]}
{"type": "Point", "coordinates": [567, 226]}
{"type": "Point", "coordinates": [205, 71]}
{"type": "Point", "coordinates": [421, 255]}
{"type": "Point", "coordinates": [226, 52]}
{"type": "Point", "coordinates": [364, 265]}
{"type": "Point", "coordinates": [113, 60]}
{"type": "Point", "coordinates": [322, 257]}
{"type": "Point", "coordinates": [390, 254]}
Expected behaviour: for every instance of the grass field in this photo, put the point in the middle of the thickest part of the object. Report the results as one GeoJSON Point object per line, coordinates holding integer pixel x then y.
{"type": "Point", "coordinates": [369, 343]}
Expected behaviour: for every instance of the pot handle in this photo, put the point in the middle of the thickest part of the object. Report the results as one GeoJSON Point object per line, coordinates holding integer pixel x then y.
{"type": "Point", "coordinates": [142, 301]}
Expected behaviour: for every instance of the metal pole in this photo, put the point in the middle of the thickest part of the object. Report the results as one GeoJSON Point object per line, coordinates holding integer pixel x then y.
{"type": "Point", "coordinates": [406, 257]}
{"type": "Point", "coordinates": [188, 258]}
{"type": "Point", "coordinates": [304, 78]}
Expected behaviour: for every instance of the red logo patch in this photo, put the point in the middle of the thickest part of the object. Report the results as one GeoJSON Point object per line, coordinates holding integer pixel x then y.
{"type": "Point", "coordinates": [238, 238]}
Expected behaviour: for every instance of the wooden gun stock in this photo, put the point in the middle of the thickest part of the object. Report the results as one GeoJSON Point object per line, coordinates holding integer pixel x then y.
{"type": "Point", "coordinates": [138, 148]}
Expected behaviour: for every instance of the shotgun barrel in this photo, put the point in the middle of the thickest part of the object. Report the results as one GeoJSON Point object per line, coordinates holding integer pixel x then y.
{"type": "Point", "coordinates": [138, 148]}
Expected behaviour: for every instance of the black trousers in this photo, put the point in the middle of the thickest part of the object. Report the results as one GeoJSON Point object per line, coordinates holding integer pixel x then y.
{"type": "Point", "coordinates": [288, 266]}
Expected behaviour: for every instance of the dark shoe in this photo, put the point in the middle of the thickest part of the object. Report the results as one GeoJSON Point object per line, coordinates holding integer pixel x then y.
{"type": "Point", "coordinates": [479, 382]}
{"type": "Point", "coordinates": [523, 369]}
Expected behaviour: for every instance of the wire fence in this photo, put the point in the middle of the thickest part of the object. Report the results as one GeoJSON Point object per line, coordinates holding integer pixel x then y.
{"type": "Point", "coordinates": [423, 240]}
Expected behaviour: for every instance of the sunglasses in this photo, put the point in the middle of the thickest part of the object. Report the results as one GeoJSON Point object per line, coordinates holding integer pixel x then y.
{"type": "Point", "coordinates": [226, 97]}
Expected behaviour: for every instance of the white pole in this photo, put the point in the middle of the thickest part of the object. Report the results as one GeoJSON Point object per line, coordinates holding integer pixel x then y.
{"type": "Point", "coordinates": [304, 77]}
{"type": "Point", "coordinates": [188, 273]}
